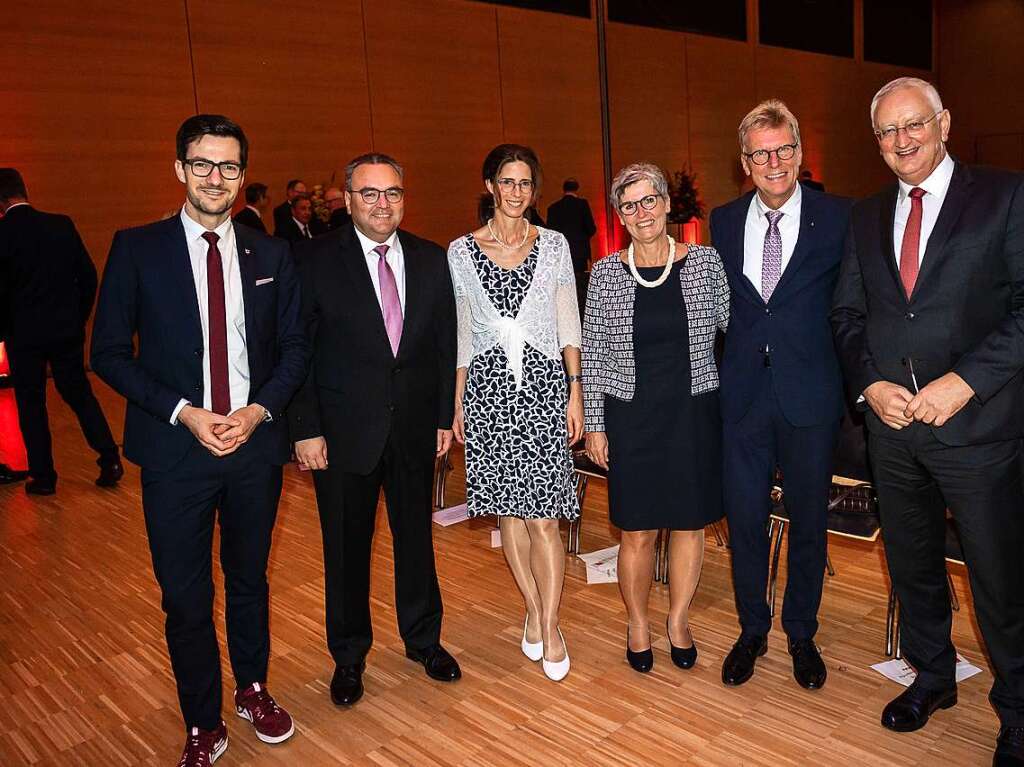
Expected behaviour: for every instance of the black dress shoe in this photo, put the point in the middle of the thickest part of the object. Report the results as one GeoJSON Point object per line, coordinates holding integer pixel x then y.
{"type": "Point", "coordinates": [910, 710]}
{"type": "Point", "coordinates": [9, 475]}
{"type": "Point", "coordinates": [110, 475]}
{"type": "Point", "coordinates": [40, 487]}
{"type": "Point", "coordinates": [739, 663]}
{"type": "Point", "coordinates": [1009, 748]}
{"type": "Point", "coordinates": [439, 664]}
{"type": "Point", "coordinates": [808, 667]}
{"type": "Point", "coordinates": [347, 684]}
{"type": "Point", "coordinates": [684, 657]}
{"type": "Point", "coordinates": [640, 660]}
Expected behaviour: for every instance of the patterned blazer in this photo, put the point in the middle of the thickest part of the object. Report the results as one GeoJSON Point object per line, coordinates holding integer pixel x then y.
{"type": "Point", "coordinates": [608, 363]}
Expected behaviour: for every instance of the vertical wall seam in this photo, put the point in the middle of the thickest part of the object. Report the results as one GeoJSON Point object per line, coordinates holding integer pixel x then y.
{"type": "Point", "coordinates": [191, 57]}
{"type": "Point", "coordinates": [501, 90]}
{"type": "Point", "coordinates": [369, 90]}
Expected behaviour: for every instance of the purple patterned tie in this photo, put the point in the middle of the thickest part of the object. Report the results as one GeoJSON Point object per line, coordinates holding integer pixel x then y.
{"type": "Point", "coordinates": [390, 304]}
{"type": "Point", "coordinates": [771, 258]}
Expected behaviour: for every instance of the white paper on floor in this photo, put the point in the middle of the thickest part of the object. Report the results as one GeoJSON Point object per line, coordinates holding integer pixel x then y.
{"type": "Point", "coordinates": [602, 565]}
{"type": "Point", "coordinates": [495, 538]}
{"type": "Point", "coordinates": [451, 515]}
{"type": "Point", "coordinates": [898, 670]}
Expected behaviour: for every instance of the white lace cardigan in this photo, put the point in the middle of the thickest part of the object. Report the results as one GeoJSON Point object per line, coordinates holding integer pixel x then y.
{"type": "Point", "coordinates": [548, 318]}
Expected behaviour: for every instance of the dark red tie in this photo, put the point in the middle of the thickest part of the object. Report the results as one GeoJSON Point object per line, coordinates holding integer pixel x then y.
{"type": "Point", "coordinates": [220, 390]}
{"type": "Point", "coordinates": [911, 242]}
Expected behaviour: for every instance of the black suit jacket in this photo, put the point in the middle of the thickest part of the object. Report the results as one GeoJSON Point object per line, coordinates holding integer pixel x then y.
{"type": "Point", "coordinates": [47, 280]}
{"type": "Point", "coordinates": [251, 219]}
{"type": "Point", "coordinates": [966, 313]}
{"type": "Point", "coordinates": [289, 230]}
{"type": "Point", "coordinates": [339, 217]}
{"type": "Point", "coordinates": [282, 213]}
{"type": "Point", "coordinates": [794, 323]}
{"type": "Point", "coordinates": [358, 394]}
{"type": "Point", "coordinates": [572, 217]}
{"type": "Point", "coordinates": [148, 290]}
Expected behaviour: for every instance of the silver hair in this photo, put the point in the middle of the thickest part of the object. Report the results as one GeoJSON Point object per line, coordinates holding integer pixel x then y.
{"type": "Point", "coordinates": [371, 158]}
{"type": "Point", "coordinates": [924, 86]}
{"type": "Point", "coordinates": [772, 113]}
{"type": "Point", "coordinates": [631, 174]}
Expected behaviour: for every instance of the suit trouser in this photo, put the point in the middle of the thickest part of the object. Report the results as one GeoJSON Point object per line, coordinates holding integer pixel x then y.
{"type": "Point", "coordinates": [348, 514]}
{"type": "Point", "coordinates": [28, 369]}
{"type": "Point", "coordinates": [181, 506]}
{"type": "Point", "coordinates": [752, 447]}
{"type": "Point", "coordinates": [917, 480]}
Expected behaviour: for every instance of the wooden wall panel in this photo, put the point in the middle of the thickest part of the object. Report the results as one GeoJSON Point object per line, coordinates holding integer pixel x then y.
{"type": "Point", "coordinates": [294, 77]}
{"type": "Point", "coordinates": [436, 108]}
{"type": "Point", "coordinates": [551, 101]}
{"type": "Point", "coordinates": [90, 99]}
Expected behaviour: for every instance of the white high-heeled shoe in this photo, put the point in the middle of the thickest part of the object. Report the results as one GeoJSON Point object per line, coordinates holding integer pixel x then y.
{"type": "Point", "coordinates": [556, 670]}
{"type": "Point", "coordinates": [532, 650]}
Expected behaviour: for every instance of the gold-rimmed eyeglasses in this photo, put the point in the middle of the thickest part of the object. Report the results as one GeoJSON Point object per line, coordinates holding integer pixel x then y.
{"type": "Point", "coordinates": [914, 129]}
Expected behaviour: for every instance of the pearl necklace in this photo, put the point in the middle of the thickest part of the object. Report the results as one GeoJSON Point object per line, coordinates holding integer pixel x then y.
{"type": "Point", "coordinates": [501, 242]}
{"type": "Point", "coordinates": [664, 273]}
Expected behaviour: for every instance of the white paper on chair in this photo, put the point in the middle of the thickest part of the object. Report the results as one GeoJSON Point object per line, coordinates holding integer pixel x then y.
{"type": "Point", "coordinates": [451, 515]}
{"type": "Point", "coordinates": [602, 565]}
{"type": "Point", "coordinates": [898, 670]}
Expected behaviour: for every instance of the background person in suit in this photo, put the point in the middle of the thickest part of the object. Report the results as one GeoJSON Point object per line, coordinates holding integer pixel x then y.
{"type": "Point", "coordinates": [929, 322]}
{"type": "Point", "coordinates": [808, 180]}
{"type": "Point", "coordinates": [283, 212]}
{"type": "Point", "coordinates": [781, 385]}
{"type": "Point", "coordinates": [220, 353]}
{"type": "Point", "coordinates": [335, 199]}
{"type": "Point", "coordinates": [298, 226]}
{"type": "Point", "coordinates": [256, 203]}
{"type": "Point", "coordinates": [47, 288]}
{"type": "Point", "coordinates": [572, 216]}
{"type": "Point", "coordinates": [378, 306]}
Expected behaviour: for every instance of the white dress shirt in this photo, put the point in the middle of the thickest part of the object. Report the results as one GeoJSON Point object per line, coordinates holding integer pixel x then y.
{"type": "Point", "coordinates": [303, 228]}
{"type": "Point", "coordinates": [234, 309]}
{"type": "Point", "coordinates": [395, 259]}
{"type": "Point", "coordinates": [256, 211]}
{"type": "Point", "coordinates": [935, 187]}
{"type": "Point", "coordinates": [757, 227]}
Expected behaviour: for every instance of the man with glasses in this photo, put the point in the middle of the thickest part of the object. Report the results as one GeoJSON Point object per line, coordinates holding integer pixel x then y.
{"type": "Point", "coordinates": [929, 322]}
{"type": "Point", "coordinates": [781, 389]}
{"type": "Point", "coordinates": [375, 411]}
{"type": "Point", "coordinates": [220, 352]}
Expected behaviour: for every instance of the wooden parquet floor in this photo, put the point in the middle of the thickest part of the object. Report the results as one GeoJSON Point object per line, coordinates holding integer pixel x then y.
{"type": "Point", "coordinates": [85, 680]}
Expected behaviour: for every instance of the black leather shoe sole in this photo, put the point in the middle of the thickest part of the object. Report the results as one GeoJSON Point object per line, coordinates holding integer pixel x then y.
{"type": "Point", "coordinates": [947, 701]}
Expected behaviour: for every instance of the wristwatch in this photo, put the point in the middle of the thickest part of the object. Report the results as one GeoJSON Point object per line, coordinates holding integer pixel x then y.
{"type": "Point", "coordinates": [573, 379]}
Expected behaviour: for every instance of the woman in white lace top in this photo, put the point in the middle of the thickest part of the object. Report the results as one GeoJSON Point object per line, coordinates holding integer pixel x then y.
{"type": "Point", "coordinates": [518, 400]}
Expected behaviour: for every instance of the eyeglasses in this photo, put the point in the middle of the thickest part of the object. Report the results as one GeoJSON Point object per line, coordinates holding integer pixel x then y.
{"type": "Point", "coordinates": [647, 203]}
{"type": "Point", "coordinates": [914, 129]}
{"type": "Point", "coordinates": [506, 185]}
{"type": "Point", "coordinates": [201, 168]}
{"type": "Point", "coordinates": [370, 195]}
{"type": "Point", "coordinates": [762, 156]}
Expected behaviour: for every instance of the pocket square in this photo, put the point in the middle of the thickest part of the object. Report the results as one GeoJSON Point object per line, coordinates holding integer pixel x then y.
{"type": "Point", "coordinates": [264, 281]}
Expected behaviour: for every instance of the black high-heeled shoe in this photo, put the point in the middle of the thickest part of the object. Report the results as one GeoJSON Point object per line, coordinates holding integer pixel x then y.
{"type": "Point", "coordinates": [643, 660]}
{"type": "Point", "coordinates": [684, 657]}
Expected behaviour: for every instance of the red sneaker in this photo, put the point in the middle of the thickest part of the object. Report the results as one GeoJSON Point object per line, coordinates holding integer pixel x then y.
{"type": "Point", "coordinates": [204, 747]}
{"type": "Point", "coordinates": [272, 723]}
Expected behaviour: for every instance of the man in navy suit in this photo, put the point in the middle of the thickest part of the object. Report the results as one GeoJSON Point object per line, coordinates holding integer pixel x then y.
{"type": "Point", "coordinates": [220, 353]}
{"type": "Point", "coordinates": [781, 389]}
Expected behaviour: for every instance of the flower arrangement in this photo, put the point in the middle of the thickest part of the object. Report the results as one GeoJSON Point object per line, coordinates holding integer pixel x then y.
{"type": "Point", "coordinates": [686, 204]}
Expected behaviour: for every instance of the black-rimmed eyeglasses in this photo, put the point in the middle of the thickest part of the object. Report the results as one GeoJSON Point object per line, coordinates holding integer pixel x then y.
{"type": "Point", "coordinates": [370, 195]}
{"type": "Point", "coordinates": [762, 156]}
{"type": "Point", "coordinates": [201, 168]}
{"type": "Point", "coordinates": [647, 202]}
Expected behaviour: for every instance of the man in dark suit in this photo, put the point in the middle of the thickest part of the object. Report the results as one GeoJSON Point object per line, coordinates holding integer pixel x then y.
{"type": "Point", "coordinates": [256, 203]}
{"type": "Point", "coordinates": [339, 217]}
{"type": "Point", "coordinates": [808, 180]}
{"type": "Point", "coordinates": [295, 188]}
{"type": "Point", "coordinates": [298, 226]}
{"type": "Point", "coordinates": [781, 389]}
{"type": "Point", "coordinates": [47, 288]}
{"type": "Point", "coordinates": [220, 352]}
{"type": "Point", "coordinates": [379, 401]}
{"type": "Point", "coordinates": [929, 322]}
{"type": "Point", "coordinates": [572, 217]}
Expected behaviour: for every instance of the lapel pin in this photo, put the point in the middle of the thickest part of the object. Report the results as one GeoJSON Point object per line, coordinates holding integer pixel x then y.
{"type": "Point", "coordinates": [247, 251]}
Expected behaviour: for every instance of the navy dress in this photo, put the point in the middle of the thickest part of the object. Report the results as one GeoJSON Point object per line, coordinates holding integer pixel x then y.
{"type": "Point", "coordinates": [665, 445]}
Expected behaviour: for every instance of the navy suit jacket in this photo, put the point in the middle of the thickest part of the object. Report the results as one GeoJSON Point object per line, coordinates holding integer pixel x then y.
{"type": "Point", "coordinates": [794, 323]}
{"type": "Point", "coordinates": [148, 289]}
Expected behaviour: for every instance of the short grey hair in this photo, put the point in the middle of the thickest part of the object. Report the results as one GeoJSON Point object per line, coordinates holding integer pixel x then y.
{"type": "Point", "coordinates": [631, 174]}
{"type": "Point", "coordinates": [772, 113]}
{"type": "Point", "coordinates": [899, 83]}
{"type": "Point", "coordinates": [371, 158]}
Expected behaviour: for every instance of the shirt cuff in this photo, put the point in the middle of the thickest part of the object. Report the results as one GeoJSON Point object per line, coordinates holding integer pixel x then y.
{"type": "Point", "coordinates": [177, 410]}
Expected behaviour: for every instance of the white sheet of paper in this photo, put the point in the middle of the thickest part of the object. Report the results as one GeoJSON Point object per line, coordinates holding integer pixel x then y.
{"type": "Point", "coordinates": [602, 565]}
{"type": "Point", "coordinates": [597, 575]}
{"type": "Point", "coordinates": [495, 538]}
{"type": "Point", "coordinates": [451, 515]}
{"type": "Point", "coordinates": [901, 672]}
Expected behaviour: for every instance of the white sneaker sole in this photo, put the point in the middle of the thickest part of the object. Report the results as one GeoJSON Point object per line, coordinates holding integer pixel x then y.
{"type": "Point", "coordinates": [218, 750]}
{"type": "Point", "coordinates": [244, 714]}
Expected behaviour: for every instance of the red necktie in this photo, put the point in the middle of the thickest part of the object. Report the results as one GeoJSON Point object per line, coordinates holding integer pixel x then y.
{"type": "Point", "coordinates": [220, 390]}
{"type": "Point", "coordinates": [911, 242]}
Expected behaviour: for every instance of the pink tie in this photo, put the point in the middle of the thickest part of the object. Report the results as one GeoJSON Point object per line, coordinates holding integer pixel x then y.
{"type": "Point", "coordinates": [390, 304]}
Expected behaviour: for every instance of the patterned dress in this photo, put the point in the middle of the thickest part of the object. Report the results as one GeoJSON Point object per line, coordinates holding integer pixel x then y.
{"type": "Point", "coordinates": [517, 459]}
